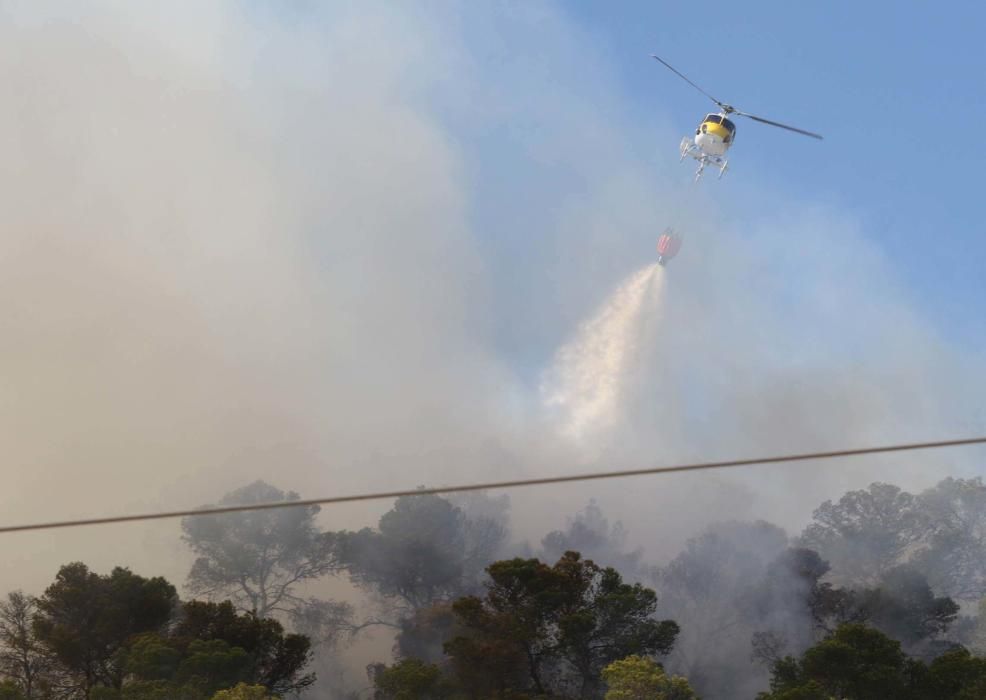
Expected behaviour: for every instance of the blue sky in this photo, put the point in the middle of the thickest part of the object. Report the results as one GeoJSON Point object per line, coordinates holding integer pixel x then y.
{"type": "Point", "coordinates": [895, 89]}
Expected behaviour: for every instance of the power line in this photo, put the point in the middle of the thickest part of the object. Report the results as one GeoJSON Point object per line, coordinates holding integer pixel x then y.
{"type": "Point", "coordinates": [494, 485]}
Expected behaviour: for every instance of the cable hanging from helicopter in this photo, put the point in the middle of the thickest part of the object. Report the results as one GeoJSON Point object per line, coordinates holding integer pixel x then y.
{"type": "Point", "coordinates": [717, 132]}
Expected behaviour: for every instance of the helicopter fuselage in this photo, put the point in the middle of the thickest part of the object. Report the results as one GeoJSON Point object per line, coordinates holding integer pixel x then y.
{"type": "Point", "coordinates": [715, 135]}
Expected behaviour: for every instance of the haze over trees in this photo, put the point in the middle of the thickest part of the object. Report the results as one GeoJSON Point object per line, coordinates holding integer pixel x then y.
{"type": "Point", "coordinates": [879, 596]}
{"type": "Point", "coordinates": [590, 533]}
{"type": "Point", "coordinates": [258, 559]}
{"type": "Point", "coordinates": [424, 551]}
{"type": "Point", "coordinates": [941, 532]}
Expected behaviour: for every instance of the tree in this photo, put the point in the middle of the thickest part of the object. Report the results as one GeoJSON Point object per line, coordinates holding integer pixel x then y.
{"type": "Point", "coordinates": [856, 662]}
{"type": "Point", "coordinates": [424, 551]}
{"type": "Point", "coordinates": [176, 667]}
{"type": "Point", "coordinates": [861, 663]}
{"type": "Point", "coordinates": [953, 525]}
{"type": "Point", "coordinates": [486, 521]}
{"type": "Point", "coordinates": [244, 692]}
{"type": "Point", "coordinates": [809, 691]}
{"type": "Point", "coordinates": [552, 629]}
{"type": "Point", "coordinates": [410, 679]}
{"type": "Point", "coordinates": [277, 660]}
{"type": "Point", "coordinates": [865, 534]}
{"type": "Point", "coordinates": [711, 588]}
{"type": "Point", "coordinates": [795, 608]}
{"type": "Point", "coordinates": [639, 678]}
{"type": "Point", "coordinates": [9, 690]}
{"type": "Point", "coordinates": [151, 657]}
{"type": "Point", "coordinates": [258, 558]}
{"type": "Point", "coordinates": [424, 632]}
{"type": "Point", "coordinates": [904, 607]}
{"type": "Point", "coordinates": [592, 535]}
{"type": "Point", "coordinates": [22, 660]}
{"type": "Point", "coordinates": [211, 647]}
{"type": "Point", "coordinates": [789, 605]}
{"type": "Point", "coordinates": [84, 620]}
{"type": "Point", "coordinates": [955, 675]}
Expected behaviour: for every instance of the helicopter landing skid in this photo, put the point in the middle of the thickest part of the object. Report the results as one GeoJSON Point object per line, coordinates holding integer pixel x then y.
{"type": "Point", "coordinates": [688, 148]}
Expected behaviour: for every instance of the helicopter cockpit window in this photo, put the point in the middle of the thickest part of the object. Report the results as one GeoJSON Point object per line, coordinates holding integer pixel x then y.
{"type": "Point", "coordinates": [714, 118]}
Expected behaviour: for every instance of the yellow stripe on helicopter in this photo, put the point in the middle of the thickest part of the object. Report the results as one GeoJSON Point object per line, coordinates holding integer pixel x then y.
{"type": "Point", "coordinates": [716, 129]}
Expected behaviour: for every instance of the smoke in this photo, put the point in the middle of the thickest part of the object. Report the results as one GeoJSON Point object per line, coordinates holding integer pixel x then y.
{"type": "Point", "coordinates": [224, 255]}
{"type": "Point", "coordinates": [234, 243]}
{"type": "Point", "coordinates": [338, 248]}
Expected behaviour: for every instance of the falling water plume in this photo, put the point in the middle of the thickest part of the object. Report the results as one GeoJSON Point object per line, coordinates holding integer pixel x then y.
{"type": "Point", "coordinates": [584, 385]}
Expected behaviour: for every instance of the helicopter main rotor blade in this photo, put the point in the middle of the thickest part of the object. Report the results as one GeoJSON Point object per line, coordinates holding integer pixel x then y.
{"type": "Point", "coordinates": [680, 75]}
{"type": "Point", "coordinates": [783, 126]}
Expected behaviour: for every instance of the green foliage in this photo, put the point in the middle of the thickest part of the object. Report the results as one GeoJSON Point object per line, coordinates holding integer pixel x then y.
{"type": "Point", "coordinates": [85, 619]}
{"type": "Point", "coordinates": [809, 691]}
{"type": "Point", "coordinates": [10, 691]}
{"type": "Point", "coordinates": [955, 675]}
{"type": "Point", "coordinates": [856, 662]}
{"type": "Point", "coordinates": [277, 659]}
{"type": "Point", "coordinates": [862, 663]}
{"type": "Point", "coordinates": [161, 690]}
{"type": "Point", "coordinates": [639, 678]}
{"type": "Point", "coordinates": [213, 665]}
{"type": "Point", "coordinates": [213, 647]}
{"type": "Point", "coordinates": [244, 692]}
{"type": "Point", "coordinates": [410, 679]}
{"type": "Point", "coordinates": [181, 669]}
{"type": "Point", "coordinates": [151, 657]}
{"type": "Point", "coordinates": [549, 629]}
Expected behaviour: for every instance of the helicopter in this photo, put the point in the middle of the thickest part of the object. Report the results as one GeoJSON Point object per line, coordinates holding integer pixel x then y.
{"type": "Point", "coordinates": [717, 132]}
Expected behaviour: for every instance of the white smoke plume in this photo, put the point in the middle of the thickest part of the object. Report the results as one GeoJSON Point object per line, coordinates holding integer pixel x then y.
{"type": "Point", "coordinates": [229, 244]}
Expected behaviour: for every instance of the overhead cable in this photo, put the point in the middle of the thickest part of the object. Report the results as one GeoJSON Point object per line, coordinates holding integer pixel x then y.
{"type": "Point", "coordinates": [494, 485]}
